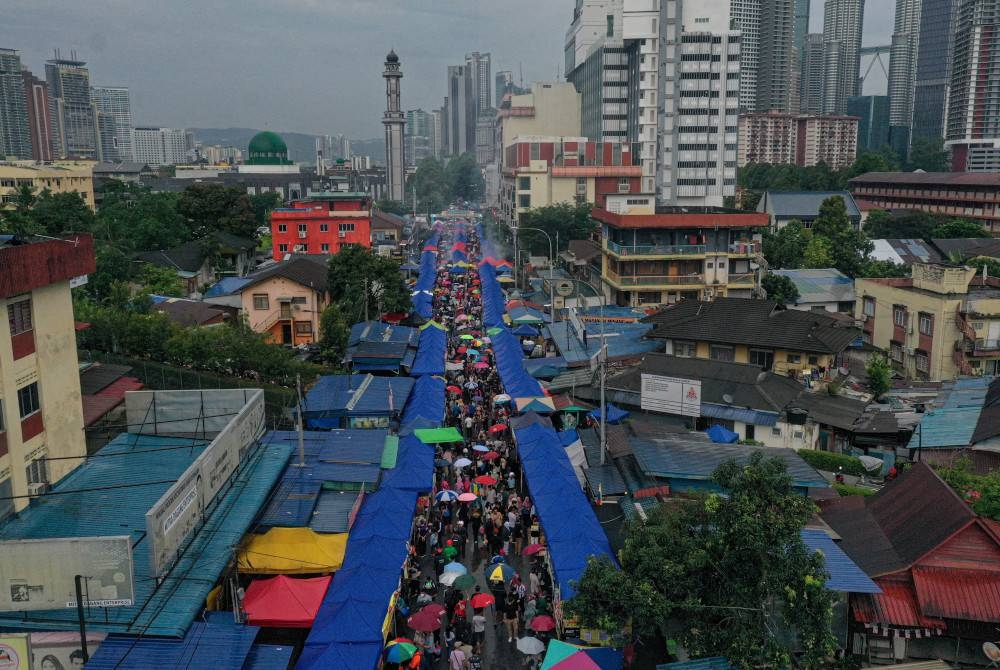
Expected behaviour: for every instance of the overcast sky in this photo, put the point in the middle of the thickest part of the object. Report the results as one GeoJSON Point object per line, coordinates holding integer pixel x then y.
{"type": "Point", "coordinates": [298, 65]}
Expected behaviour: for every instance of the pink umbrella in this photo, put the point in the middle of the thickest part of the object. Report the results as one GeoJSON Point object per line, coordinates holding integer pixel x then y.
{"type": "Point", "coordinates": [482, 365]}
{"type": "Point", "coordinates": [542, 623]}
{"type": "Point", "coordinates": [490, 456]}
{"type": "Point", "coordinates": [467, 497]}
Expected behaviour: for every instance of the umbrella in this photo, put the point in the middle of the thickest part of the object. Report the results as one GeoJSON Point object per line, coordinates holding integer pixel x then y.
{"type": "Point", "coordinates": [461, 463]}
{"type": "Point", "coordinates": [449, 578]}
{"type": "Point", "coordinates": [453, 389]}
{"type": "Point", "coordinates": [563, 656]}
{"type": "Point", "coordinates": [425, 622]}
{"type": "Point", "coordinates": [533, 549]}
{"type": "Point", "coordinates": [433, 609]}
{"type": "Point", "coordinates": [490, 456]}
{"type": "Point", "coordinates": [441, 463]}
{"type": "Point", "coordinates": [494, 330]}
{"type": "Point", "coordinates": [472, 352]}
{"type": "Point", "coordinates": [461, 350]}
{"type": "Point", "coordinates": [447, 495]}
{"type": "Point", "coordinates": [501, 572]}
{"type": "Point", "coordinates": [454, 566]}
{"type": "Point", "coordinates": [482, 365]}
{"type": "Point", "coordinates": [467, 497]}
{"type": "Point", "coordinates": [530, 646]}
{"type": "Point", "coordinates": [498, 428]}
{"type": "Point", "coordinates": [485, 480]}
{"type": "Point", "coordinates": [501, 398]}
{"type": "Point", "coordinates": [463, 582]}
{"type": "Point", "coordinates": [400, 650]}
{"type": "Point", "coordinates": [870, 462]}
{"type": "Point", "coordinates": [542, 623]}
{"type": "Point", "coordinates": [463, 317]}
{"type": "Point", "coordinates": [480, 447]}
{"type": "Point", "coordinates": [471, 384]}
{"type": "Point", "coordinates": [499, 558]}
{"type": "Point", "coordinates": [482, 600]}
{"type": "Point", "coordinates": [466, 336]}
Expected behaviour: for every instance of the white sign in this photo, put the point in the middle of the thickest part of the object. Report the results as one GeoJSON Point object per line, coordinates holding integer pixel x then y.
{"type": "Point", "coordinates": [671, 395]}
{"type": "Point", "coordinates": [39, 574]}
{"type": "Point", "coordinates": [564, 287]}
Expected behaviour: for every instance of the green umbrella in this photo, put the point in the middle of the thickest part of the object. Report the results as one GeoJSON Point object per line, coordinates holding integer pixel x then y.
{"type": "Point", "coordinates": [464, 582]}
{"type": "Point", "coordinates": [493, 331]}
{"type": "Point", "coordinates": [573, 408]}
{"type": "Point", "coordinates": [466, 337]}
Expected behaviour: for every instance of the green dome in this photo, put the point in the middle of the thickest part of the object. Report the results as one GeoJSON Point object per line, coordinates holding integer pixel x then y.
{"type": "Point", "coordinates": [267, 148]}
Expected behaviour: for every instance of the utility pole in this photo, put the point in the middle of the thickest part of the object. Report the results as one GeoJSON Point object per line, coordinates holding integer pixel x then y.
{"type": "Point", "coordinates": [301, 430]}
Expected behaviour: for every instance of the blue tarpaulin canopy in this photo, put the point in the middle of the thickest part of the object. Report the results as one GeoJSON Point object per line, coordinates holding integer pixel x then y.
{"type": "Point", "coordinates": [524, 330]}
{"type": "Point", "coordinates": [614, 414]}
{"type": "Point", "coordinates": [721, 434]}
{"type": "Point", "coordinates": [430, 353]}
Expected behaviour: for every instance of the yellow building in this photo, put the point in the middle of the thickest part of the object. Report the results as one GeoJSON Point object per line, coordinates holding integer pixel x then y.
{"type": "Point", "coordinates": [760, 332]}
{"type": "Point", "coordinates": [286, 300]}
{"type": "Point", "coordinates": [65, 177]}
{"type": "Point", "coordinates": [941, 322]}
{"type": "Point", "coordinates": [41, 412]}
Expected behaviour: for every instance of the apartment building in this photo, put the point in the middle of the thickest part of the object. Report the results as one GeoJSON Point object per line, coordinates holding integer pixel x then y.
{"type": "Point", "coordinates": [769, 138]}
{"type": "Point", "coordinates": [321, 224]}
{"type": "Point", "coordinates": [827, 139]}
{"type": "Point", "coordinates": [66, 178]}
{"type": "Point", "coordinates": [779, 139]}
{"type": "Point", "coordinates": [41, 410]}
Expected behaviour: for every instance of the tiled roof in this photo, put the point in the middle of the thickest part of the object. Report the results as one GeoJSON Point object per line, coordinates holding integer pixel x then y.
{"type": "Point", "coordinates": [297, 269]}
{"type": "Point", "coordinates": [752, 322]}
{"type": "Point", "coordinates": [584, 250]}
{"type": "Point", "coordinates": [820, 285]}
{"type": "Point", "coordinates": [803, 204]}
{"type": "Point", "coordinates": [190, 312]}
{"type": "Point", "coordinates": [837, 411]}
{"type": "Point", "coordinates": [100, 375]}
{"type": "Point", "coordinates": [682, 220]}
{"type": "Point", "coordinates": [929, 178]}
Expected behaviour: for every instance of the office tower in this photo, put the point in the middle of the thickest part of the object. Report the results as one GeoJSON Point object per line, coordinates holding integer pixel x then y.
{"type": "Point", "coordinates": [436, 117]}
{"type": "Point", "coordinates": [801, 26]}
{"type": "Point", "coordinates": [812, 77]}
{"type": "Point", "coordinates": [418, 136]}
{"type": "Point", "coordinates": [874, 113]}
{"type": "Point", "coordinates": [461, 130]}
{"type": "Point", "coordinates": [74, 129]}
{"type": "Point", "coordinates": [641, 24]}
{"type": "Point", "coordinates": [746, 17]}
{"type": "Point", "coordinates": [160, 146]}
{"type": "Point", "coordinates": [15, 132]}
{"type": "Point", "coordinates": [482, 83]}
{"type": "Point", "coordinates": [842, 24]}
{"type": "Point", "coordinates": [114, 101]}
{"type": "Point", "coordinates": [504, 81]}
{"type": "Point", "coordinates": [394, 121]}
{"type": "Point", "coordinates": [36, 92]}
{"type": "Point", "coordinates": [932, 81]}
{"type": "Point", "coordinates": [106, 140]}
{"type": "Point", "coordinates": [777, 77]}
{"type": "Point", "coordinates": [973, 121]}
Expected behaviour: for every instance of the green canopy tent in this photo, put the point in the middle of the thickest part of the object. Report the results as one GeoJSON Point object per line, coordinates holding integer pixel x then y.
{"type": "Point", "coordinates": [438, 435]}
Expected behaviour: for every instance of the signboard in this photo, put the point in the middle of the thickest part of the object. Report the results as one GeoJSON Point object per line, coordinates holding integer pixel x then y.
{"type": "Point", "coordinates": [14, 652]}
{"type": "Point", "coordinates": [179, 511]}
{"type": "Point", "coordinates": [564, 287]}
{"type": "Point", "coordinates": [39, 574]}
{"type": "Point", "coordinates": [671, 395]}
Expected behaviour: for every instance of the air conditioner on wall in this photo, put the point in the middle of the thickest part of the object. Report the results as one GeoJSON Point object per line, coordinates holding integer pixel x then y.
{"type": "Point", "coordinates": [38, 488]}
{"type": "Point", "coordinates": [302, 234]}
{"type": "Point", "coordinates": [342, 233]}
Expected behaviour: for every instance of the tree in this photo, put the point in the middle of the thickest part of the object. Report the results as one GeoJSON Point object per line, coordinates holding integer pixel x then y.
{"type": "Point", "coordinates": [262, 204]}
{"type": "Point", "coordinates": [209, 208]}
{"type": "Point", "coordinates": [141, 221]}
{"type": "Point", "coordinates": [785, 248]}
{"type": "Point", "coordinates": [160, 281]}
{"type": "Point", "coordinates": [879, 375]}
{"type": "Point", "coordinates": [571, 221]}
{"type": "Point", "coordinates": [780, 288]}
{"type": "Point", "coordinates": [333, 334]}
{"type": "Point", "coordinates": [879, 268]}
{"type": "Point", "coordinates": [818, 253]}
{"type": "Point", "coordinates": [928, 154]}
{"type": "Point", "coordinates": [959, 228]}
{"type": "Point", "coordinates": [464, 178]}
{"type": "Point", "coordinates": [982, 492]}
{"type": "Point", "coordinates": [431, 185]}
{"type": "Point", "coordinates": [58, 213]}
{"type": "Point", "coordinates": [113, 266]}
{"type": "Point", "coordinates": [362, 282]}
{"type": "Point", "coordinates": [850, 249]}
{"type": "Point", "coordinates": [721, 568]}
{"type": "Point", "coordinates": [392, 207]}
{"type": "Point", "coordinates": [871, 161]}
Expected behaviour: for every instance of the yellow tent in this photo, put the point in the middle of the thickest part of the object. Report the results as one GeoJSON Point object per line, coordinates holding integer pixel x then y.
{"type": "Point", "coordinates": [293, 551]}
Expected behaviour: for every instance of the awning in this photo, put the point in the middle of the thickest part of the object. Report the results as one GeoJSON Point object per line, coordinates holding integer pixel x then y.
{"type": "Point", "coordinates": [542, 405]}
{"type": "Point", "coordinates": [743, 415]}
{"type": "Point", "coordinates": [438, 435]}
{"type": "Point", "coordinates": [293, 551]}
{"type": "Point", "coordinates": [284, 602]}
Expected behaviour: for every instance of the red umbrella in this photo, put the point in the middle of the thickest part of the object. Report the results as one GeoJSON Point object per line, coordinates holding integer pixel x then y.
{"type": "Point", "coordinates": [453, 389]}
{"type": "Point", "coordinates": [490, 456]}
{"type": "Point", "coordinates": [425, 622]}
{"type": "Point", "coordinates": [481, 365]}
{"type": "Point", "coordinates": [498, 428]}
{"type": "Point", "coordinates": [542, 623]}
{"type": "Point", "coordinates": [533, 549]}
{"type": "Point", "coordinates": [461, 350]}
{"type": "Point", "coordinates": [485, 480]}
{"type": "Point", "coordinates": [482, 600]}
{"type": "Point", "coordinates": [433, 609]}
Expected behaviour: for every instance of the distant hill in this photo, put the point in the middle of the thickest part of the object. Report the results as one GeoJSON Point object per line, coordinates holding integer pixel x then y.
{"type": "Point", "coordinates": [301, 146]}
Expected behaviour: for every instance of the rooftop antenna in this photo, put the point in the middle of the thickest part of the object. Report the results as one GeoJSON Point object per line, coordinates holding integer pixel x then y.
{"type": "Point", "coordinates": [520, 74]}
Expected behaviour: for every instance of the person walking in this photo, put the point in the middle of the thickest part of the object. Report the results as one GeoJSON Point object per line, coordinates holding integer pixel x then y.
{"type": "Point", "coordinates": [510, 617]}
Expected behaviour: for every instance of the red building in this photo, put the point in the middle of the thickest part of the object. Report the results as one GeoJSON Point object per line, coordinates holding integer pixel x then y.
{"type": "Point", "coordinates": [321, 224]}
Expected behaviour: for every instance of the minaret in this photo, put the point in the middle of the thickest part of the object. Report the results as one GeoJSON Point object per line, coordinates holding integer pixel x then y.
{"type": "Point", "coordinates": [394, 121]}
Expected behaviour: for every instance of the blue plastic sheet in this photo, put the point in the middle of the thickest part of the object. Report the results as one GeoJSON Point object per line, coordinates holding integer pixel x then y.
{"type": "Point", "coordinates": [430, 353]}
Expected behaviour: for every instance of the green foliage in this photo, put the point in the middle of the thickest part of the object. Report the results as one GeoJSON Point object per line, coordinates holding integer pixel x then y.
{"type": "Point", "coordinates": [849, 248]}
{"type": "Point", "coordinates": [883, 160]}
{"type": "Point", "coordinates": [818, 253]}
{"type": "Point", "coordinates": [160, 281]}
{"type": "Point", "coordinates": [433, 191]}
{"type": "Point", "coordinates": [721, 567]}
{"type": "Point", "coordinates": [113, 266]}
{"type": "Point", "coordinates": [262, 204]}
{"type": "Point", "coordinates": [786, 248]}
{"type": "Point", "coordinates": [919, 225]}
{"type": "Point", "coordinates": [991, 264]}
{"type": "Point", "coordinates": [831, 462]}
{"type": "Point", "coordinates": [928, 154]}
{"type": "Point", "coordinates": [392, 207]}
{"type": "Point", "coordinates": [214, 207]}
{"type": "Point", "coordinates": [980, 491]}
{"type": "Point", "coordinates": [879, 268]}
{"type": "Point", "coordinates": [57, 213]}
{"type": "Point", "coordinates": [959, 228]}
{"type": "Point", "coordinates": [140, 221]}
{"type": "Point", "coordinates": [780, 288]}
{"type": "Point", "coordinates": [334, 332]}
{"type": "Point", "coordinates": [359, 278]}
{"type": "Point", "coordinates": [848, 490]}
{"type": "Point", "coordinates": [464, 178]}
{"type": "Point", "coordinates": [879, 374]}
{"type": "Point", "coordinates": [572, 221]}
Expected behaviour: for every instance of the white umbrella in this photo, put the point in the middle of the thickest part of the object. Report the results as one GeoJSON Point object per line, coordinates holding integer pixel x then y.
{"type": "Point", "coordinates": [870, 462]}
{"type": "Point", "coordinates": [462, 462]}
{"type": "Point", "coordinates": [530, 645]}
{"type": "Point", "coordinates": [447, 495]}
{"type": "Point", "coordinates": [480, 447]}
{"type": "Point", "coordinates": [456, 567]}
{"type": "Point", "coordinates": [448, 578]}
{"type": "Point", "coordinates": [501, 398]}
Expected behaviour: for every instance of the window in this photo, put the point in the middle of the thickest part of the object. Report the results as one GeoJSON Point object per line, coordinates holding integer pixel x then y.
{"type": "Point", "coordinates": [304, 248]}
{"type": "Point", "coordinates": [536, 151]}
{"type": "Point", "coordinates": [896, 352]}
{"type": "Point", "coordinates": [793, 358]}
{"type": "Point", "coordinates": [718, 352]}
{"type": "Point", "coordinates": [283, 248]}
{"type": "Point", "coordinates": [611, 25]}
{"type": "Point", "coordinates": [524, 183]}
{"type": "Point", "coordinates": [922, 361]}
{"type": "Point", "coordinates": [324, 227]}
{"type": "Point", "coordinates": [581, 186]}
{"type": "Point", "coordinates": [868, 307]}
{"type": "Point", "coordinates": [926, 322]}
{"type": "Point", "coordinates": [524, 200]}
{"type": "Point", "coordinates": [282, 228]}
{"type": "Point", "coordinates": [37, 471]}
{"type": "Point", "coordinates": [303, 328]}
{"type": "Point", "coordinates": [324, 247]}
{"type": "Point", "coordinates": [814, 360]}
{"type": "Point", "coordinates": [623, 185]}
{"type": "Point", "coordinates": [762, 357]}
{"type": "Point", "coordinates": [19, 316]}
{"type": "Point", "coordinates": [27, 399]}
{"type": "Point", "coordinates": [345, 227]}
{"type": "Point", "coordinates": [303, 227]}
{"type": "Point", "coordinates": [775, 431]}
{"type": "Point", "coordinates": [899, 315]}
{"type": "Point", "coordinates": [685, 349]}
{"type": "Point", "coordinates": [299, 300]}
{"type": "Point", "coordinates": [261, 301]}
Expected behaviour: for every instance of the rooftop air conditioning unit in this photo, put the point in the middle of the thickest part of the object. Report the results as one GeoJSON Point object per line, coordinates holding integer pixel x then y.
{"type": "Point", "coordinates": [342, 233]}
{"type": "Point", "coordinates": [37, 489]}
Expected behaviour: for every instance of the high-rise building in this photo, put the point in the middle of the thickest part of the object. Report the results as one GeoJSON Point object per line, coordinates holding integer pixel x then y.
{"type": "Point", "coordinates": [801, 25]}
{"type": "Point", "coordinates": [874, 113]}
{"type": "Point", "coordinates": [973, 121]}
{"type": "Point", "coordinates": [777, 74]}
{"type": "Point", "coordinates": [812, 76]}
{"type": "Point", "coordinates": [486, 137]}
{"type": "Point", "coordinates": [36, 92]}
{"type": "Point", "coordinates": [395, 122]}
{"type": "Point", "coordinates": [160, 146]}
{"type": "Point", "coordinates": [829, 139]}
{"type": "Point", "coordinates": [503, 81]}
{"type": "Point", "coordinates": [767, 137]}
{"type": "Point", "coordinates": [74, 128]}
{"type": "Point", "coordinates": [461, 123]}
{"type": "Point", "coordinates": [437, 138]}
{"type": "Point", "coordinates": [746, 17]}
{"type": "Point", "coordinates": [418, 136]}
{"type": "Point", "coordinates": [15, 131]}
{"type": "Point", "coordinates": [933, 72]}
{"type": "Point", "coordinates": [482, 83]}
{"type": "Point", "coordinates": [641, 24]}
{"type": "Point", "coordinates": [804, 140]}
{"type": "Point", "coordinates": [107, 137]}
{"type": "Point", "coordinates": [114, 102]}
{"type": "Point", "coordinates": [842, 24]}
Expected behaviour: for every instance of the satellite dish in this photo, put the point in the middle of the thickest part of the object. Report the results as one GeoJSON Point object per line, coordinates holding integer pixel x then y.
{"type": "Point", "coordinates": [727, 398]}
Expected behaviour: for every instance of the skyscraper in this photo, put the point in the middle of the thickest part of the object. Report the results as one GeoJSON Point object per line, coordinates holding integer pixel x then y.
{"type": "Point", "coordinates": [114, 102]}
{"type": "Point", "coordinates": [74, 129]}
{"type": "Point", "coordinates": [394, 121]}
{"type": "Point", "coordinates": [746, 17]}
{"type": "Point", "coordinates": [107, 137]}
{"type": "Point", "coordinates": [15, 134]}
{"type": "Point", "coordinates": [36, 92]}
{"type": "Point", "coordinates": [461, 122]}
{"type": "Point", "coordinates": [160, 146]}
{"type": "Point", "coordinates": [777, 77]}
{"type": "Point", "coordinates": [903, 68]}
{"type": "Point", "coordinates": [932, 80]}
{"type": "Point", "coordinates": [418, 136]}
{"type": "Point", "coordinates": [801, 25]}
{"type": "Point", "coordinates": [504, 82]}
{"type": "Point", "coordinates": [873, 112]}
{"type": "Point", "coordinates": [973, 122]}
{"type": "Point", "coordinates": [812, 76]}
{"type": "Point", "coordinates": [436, 133]}
{"type": "Point", "coordinates": [482, 83]}
{"type": "Point", "coordinates": [842, 24]}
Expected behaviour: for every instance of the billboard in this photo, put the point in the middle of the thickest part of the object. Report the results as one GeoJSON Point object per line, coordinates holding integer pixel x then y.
{"type": "Point", "coordinates": [671, 395]}
{"type": "Point", "coordinates": [15, 653]}
{"type": "Point", "coordinates": [179, 511]}
{"type": "Point", "coordinates": [39, 574]}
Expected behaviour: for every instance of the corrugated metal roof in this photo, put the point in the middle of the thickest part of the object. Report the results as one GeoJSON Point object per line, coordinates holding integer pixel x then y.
{"type": "Point", "coordinates": [332, 511]}
{"type": "Point", "coordinates": [710, 663]}
{"type": "Point", "coordinates": [292, 504]}
{"type": "Point", "coordinates": [217, 646]}
{"type": "Point", "coordinates": [805, 205]}
{"type": "Point", "coordinates": [607, 478]}
{"type": "Point", "coordinates": [628, 503]}
{"type": "Point", "coordinates": [953, 420]}
{"type": "Point", "coordinates": [973, 595]}
{"type": "Point", "coordinates": [820, 285]}
{"type": "Point", "coordinates": [624, 341]}
{"type": "Point", "coordinates": [377, 331]}
{"type": "Point", "coordinates": [269, 657]}
{"type": "Point", "coordinates": [356, 395]}
{"type": "Point", "coordinates": [844, 574]}
{"type": "Point", "coordinates": [895, 606]}
{"type": "Point", "coordinates": [753, 416]}
{"type": "Point", "coordinates": [168, 609]}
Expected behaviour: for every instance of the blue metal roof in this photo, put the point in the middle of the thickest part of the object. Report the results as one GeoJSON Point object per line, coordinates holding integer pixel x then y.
{"type": "Point", "coordinates": [332, 512]}
{"type": "Point", "coordinates": [756, 417]}
{"type": "Point", "coordinates": [269, 657]}
{"type": "Point", "coordinates": [356, 395]}
{"type": "Point", "coordinates": [167, 610]}
{"type": "Point", "coordinates": [220, 647]}
{"type": "Point", "coordinates": [292, 504]}
{"type": "Point", "coordinates": [605, 478]}
{"type": "Point", "coordinates": [226, 286]}
{"type": "Point", "coordinates": [844, 574]}
{"type": "Point", "coordinates": [710, 663]}
{"type": "Point", "coordinates": [953, 420]}
{"type": "Point", "coordinates": [624, 340]}
{"type": "Point", "coordinates": [377, 331]}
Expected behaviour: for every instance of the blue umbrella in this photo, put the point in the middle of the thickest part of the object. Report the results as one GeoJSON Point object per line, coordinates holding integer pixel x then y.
{"type": "Point", "coordinates": [446, 496]}
{"type": "Point", "coordinates": [456, 567]}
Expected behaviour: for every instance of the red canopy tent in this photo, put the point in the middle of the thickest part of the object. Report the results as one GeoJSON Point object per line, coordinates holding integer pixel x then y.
{"type": "Point", "coordinates": [284, 602]}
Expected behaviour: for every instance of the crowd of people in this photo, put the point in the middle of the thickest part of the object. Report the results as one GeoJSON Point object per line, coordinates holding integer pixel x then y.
{"type": "Point", "coordinates": [479, 514]}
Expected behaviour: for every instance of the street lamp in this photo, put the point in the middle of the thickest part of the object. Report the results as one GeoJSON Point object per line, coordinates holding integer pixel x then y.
{"type": "Point", "coordinates": [603, 357]}
{"type": "Point", "coordinates": [552, 261]}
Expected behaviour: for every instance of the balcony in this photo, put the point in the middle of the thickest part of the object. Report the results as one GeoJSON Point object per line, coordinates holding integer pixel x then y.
{"type": "Point", "coordinates": [747, 278]}
{"type": "Point", "coordinates": [655, 280]}
{"type": "Point", "coordinates": [745, 248]}
{"type": "Point", "coordinates": [656, 249]}
{"type": "Point", "coordinates": [983, 347]}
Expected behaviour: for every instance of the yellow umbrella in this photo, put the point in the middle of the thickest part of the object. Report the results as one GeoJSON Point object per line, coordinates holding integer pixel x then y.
{"type": "Point", "coordinates": [506, 280]}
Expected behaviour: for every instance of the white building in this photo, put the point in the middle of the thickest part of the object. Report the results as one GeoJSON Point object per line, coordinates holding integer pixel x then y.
{"type": "Point", "coordinates": [114, 102]}
{"type": "Point", "coordinates": [160, 146]}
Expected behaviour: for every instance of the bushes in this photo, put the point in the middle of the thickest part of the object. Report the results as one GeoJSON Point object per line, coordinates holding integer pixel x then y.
{"type": "Point", "coordinates": [848, 490]}
{"type": "Point", "coordinates": [825, 460]}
